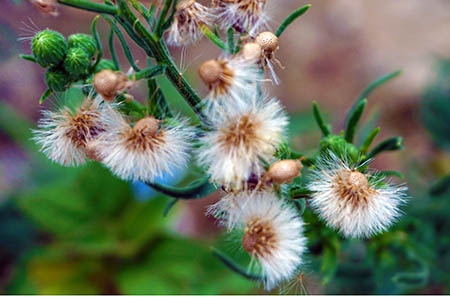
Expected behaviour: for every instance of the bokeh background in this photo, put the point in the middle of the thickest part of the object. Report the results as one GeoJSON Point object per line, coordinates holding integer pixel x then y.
{"type": "Point", "coordinates": [82, 231]}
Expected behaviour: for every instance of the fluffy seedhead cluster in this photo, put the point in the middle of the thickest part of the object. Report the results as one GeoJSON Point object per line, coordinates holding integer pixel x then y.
{"type": "Point", "coordinates": [241, 142]}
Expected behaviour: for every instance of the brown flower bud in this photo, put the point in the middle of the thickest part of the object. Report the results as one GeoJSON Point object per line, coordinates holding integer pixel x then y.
{"type": "Point", "coordinates": [268, 41]}
{"type": "Point", "coordinates": [210, 72]}
{"type": "Point", "coordinates": [284, 170]}
{"type": "Point", "coordinates": [252, 51]}
{"type": "Point", "coordinates": [47, 7]}
{"type": "Point", "coordinates": [148, 126]}
{"type": "Point", "coordinates": [109, 83]}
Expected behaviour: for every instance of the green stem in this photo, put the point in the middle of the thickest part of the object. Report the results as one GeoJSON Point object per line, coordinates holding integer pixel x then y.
{"type": "Point", "coordinates": [91, 6]}
{"type": "Point", "coordinates": [112, 49]}
{"type": "Point", "coordinates": [196, 190]}
{"type": "Point", "coordinates": [162, 19]}
{"type": "Point", "coordinates": [148, 73]}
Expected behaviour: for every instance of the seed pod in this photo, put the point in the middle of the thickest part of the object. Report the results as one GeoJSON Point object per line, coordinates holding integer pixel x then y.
{"type": "Point", "coordinates": [252, 51]}
{"type": "Point", "coordinates": [105, 64]}
{"type": "Point", "coordinates": [148, 126]}
{"type": "Point", "coordinates": [210, 72]}
{"type": "Point", "coordinates": [109, 83]}
{"type": "Point", "coordinates": [83, 41]}
{"type": "Point", "coordinates": [77, 62]}
{"type": "Point", "coordinates": [268, 41]}
{"type": "Point", "coordinates": [284, 171]}
{"type": "Point", "coordinates": [49, 48]}
{"type": "Point", "coordinates": [57, 79]}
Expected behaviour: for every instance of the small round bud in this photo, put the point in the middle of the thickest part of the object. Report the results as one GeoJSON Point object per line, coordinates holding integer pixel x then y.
{"type": "Point", "coordinates": [49, 48]}
{"type": "Point", "coordinates": [109, 83]}
{"type": "Point", "coordinates": [284, 170]}
{"type": "Point", "coordinates": [210, 72]}
{"type": "Point", "coordinates": [268, 41]}
{"type": "Point", "coordinates": [57, 79]}
{"type": "Point", "coordinates": [84, 41]}
{"type": "Point", "coordinates": [77, 62]}
{"type": "Point", "coordinates": [105, 64]}
{"type": "Point", "coordinates": [252, 51]}
{"type": "Point", "coordinates": [339, 146]}
{"type": "Point", "coordinates": [148, 126]}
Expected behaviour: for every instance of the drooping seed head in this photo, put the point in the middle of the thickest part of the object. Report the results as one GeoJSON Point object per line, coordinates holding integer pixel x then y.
{"type": "Point", "coordinates": [109, 83]}
{"type": "Point", "coordinates": [284, 171]}
{"type": "Point", "coordinates": [252, 51]}
{"type": "Point", "coordinates": [210, 72]}
{"type": "Point", "coordinates": [148, 126]}
{"type": "Point", "coordinates": [268, 41]}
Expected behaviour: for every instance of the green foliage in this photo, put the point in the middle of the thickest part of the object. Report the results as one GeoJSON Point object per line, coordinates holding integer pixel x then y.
{"type": "Point", "coordinates": [83, 41]}
{"type": "Point", "coordinates": [49, 48]}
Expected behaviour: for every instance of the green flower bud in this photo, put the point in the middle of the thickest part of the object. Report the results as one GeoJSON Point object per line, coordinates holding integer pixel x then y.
{"type": "Point", "coordinates": [49, 48]}
{"type": "Point", "coordinates": [83, 41]}
{"type": "Point", "coordinates": [77, 62]}
{"type": "Point", "coordinates": [57, 79]}
{"type": "Point", "coordinates": [105, 64]}
{"type": "Point", "coordinates": [339, 146]}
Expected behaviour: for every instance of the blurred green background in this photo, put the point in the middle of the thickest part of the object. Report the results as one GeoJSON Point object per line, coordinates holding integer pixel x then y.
{"type": "Point", "coordinates": [82, 231]}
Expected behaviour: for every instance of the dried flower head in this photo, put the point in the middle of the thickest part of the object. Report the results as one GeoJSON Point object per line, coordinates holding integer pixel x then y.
{"type": "Point", "coordinates": [109, 83]}
{"type": "Point", "coordinates": [46, 7]}
{"type": "Point", "coordinates": [243, 15]}
{"type": "Point", "coordinates": [149, 149]}
{"type": "Point", "coordinates": [357, 204]}
{"type": "Point", "coordinates": [272, 235]}
{"type": "Point", "coordinates": [185, 28]}
{"type": "Point", "coordinates": [66, 135]}
{"type": "Point", "coordinates": [284, 171]}
{"type": "Point", "coordinates": [252, 51]}
{"type": "Point", "coordinates": [232, 79]}
{"type": "Point", "coordinates": [240, 137]}
{"type": "Point", "coordinates": [269, 45]}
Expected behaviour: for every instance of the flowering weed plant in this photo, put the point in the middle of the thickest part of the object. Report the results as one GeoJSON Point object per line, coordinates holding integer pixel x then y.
{"type": "Point", "coordinates": [239, 140]}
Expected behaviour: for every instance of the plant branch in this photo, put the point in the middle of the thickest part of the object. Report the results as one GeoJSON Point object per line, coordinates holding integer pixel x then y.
{"type": "Point", "coordinates": [91, 6]}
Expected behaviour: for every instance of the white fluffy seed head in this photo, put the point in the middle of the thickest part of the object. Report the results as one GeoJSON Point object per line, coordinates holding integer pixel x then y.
{"type": "Point", "coordinates": [189, 16]}
{"type": "Point", "coordinates": [148, 150]}
{"type": "Point", "coordinates": [240, 137]}
{"type": "Point", "coordinates": [272, 234]}
{"type": "Point", "coordinates": [66, 135]}
{"type": "Point", "coordinates": [354, 203]}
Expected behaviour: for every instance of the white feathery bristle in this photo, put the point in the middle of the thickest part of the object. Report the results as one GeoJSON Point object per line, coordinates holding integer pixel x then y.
{"type": "Point", "coordinates": [63, 138]}
{"type": "Point", "coordinates": [185, 28]}
{"type": "Point", "coordinates": [238, 86]}
{"type": "Point", "coordinates": [276, 236]}
{"type": "Point", "coordinates": [136, 157]}
{"type": "Point", "coordinates": [356, 209]}
{"type": "Point", "coordinates": [240, 136]}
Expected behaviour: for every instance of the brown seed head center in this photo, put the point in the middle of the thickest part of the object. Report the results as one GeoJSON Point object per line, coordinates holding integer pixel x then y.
{"type": "Point", "coordinates": [352, 186]}
{"type": "Point", "coordinates": [241, 134]}
{"type": "Point", "coordinates": [259, 238]}
{"type": "Point", "coordinates": [144, 135]}
{"type": "Point", "coordinates": [83, 128]}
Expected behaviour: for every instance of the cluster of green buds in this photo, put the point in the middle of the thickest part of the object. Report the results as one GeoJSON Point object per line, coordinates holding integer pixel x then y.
{"type": "Point", "coordinates": [67, 61]}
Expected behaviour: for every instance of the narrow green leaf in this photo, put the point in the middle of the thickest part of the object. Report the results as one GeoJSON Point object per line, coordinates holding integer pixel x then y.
{"type": "Point", "coordinates": [390, 144]}
{"type": "Point", "coordinates": [97, 42]}
{"type": "Point", "coordinates": [212, 37]}
{"type": "Point", "coordinates": [45, 95]}
{"type": "Point", "coordinates": [227, 261]}
{"type": "Point", "coordinates": [353, 120]}
{"type": "Point", "coordinates": [292, 17]}
{"type": "Point", "coordinates": [162, 18]}
{"type": "Point", "coordinates": [196, 190]}
{"type": "Point", "coordinates": [28, 58]}
{"type": "Point", "coordinates": [216, 31]}
{"type": "Point", "coordinates": [172, 15]}
{"type": "Point", "coordinates": [369, 140]}
{"type": "Point", "coordinates": [301, 205]}
{"type": "Point", "coordinates": [91, 6]}
{"type": "Point", "coordinates": [113, 50]}
{"type": "Point", "coordinates": [391, 173]}
{"type": "Point", "coordinates": [126, 49]}
{"type": "Point", "coordinates": [230, 38]}
{"type": "Point", "coordinates": [440, 187]}
{"type": "Point", "coordinates": [148, 73]}
{"type": "Point", "coordinates": [318, 116]}
{"type": "Point", "coordinates": [381, 80]}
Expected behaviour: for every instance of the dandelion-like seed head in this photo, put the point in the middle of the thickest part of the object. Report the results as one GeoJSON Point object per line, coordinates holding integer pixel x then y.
{"type": "Point", "coordinates": [240, 138]}
{"type": "Point", "coordinates": [259, 238]}
{"type": "Point", "coordinates": [109, 83]}
{"type": "Point", "coordinates": [66, 135]}
{"type": "Point", "coordinates": [355, 203]}
{"type": "Point", "coordinates": [149, 149]}
{"type": "Point", "coordinates": [189, 16]}
{"type": "Point", "coordinates": [243, 16]}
